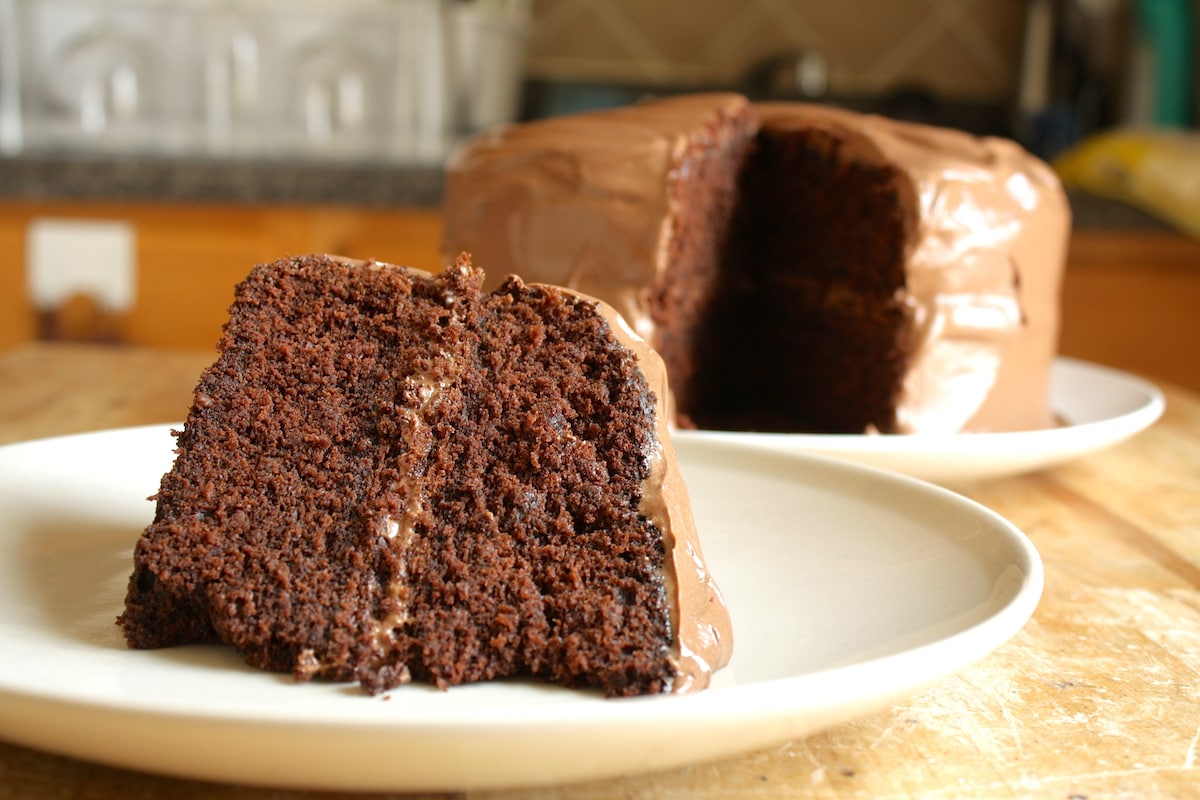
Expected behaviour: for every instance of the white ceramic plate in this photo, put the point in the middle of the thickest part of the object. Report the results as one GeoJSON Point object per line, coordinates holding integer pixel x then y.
{"type": "Point", "coordinates": [1099, 407]}
{"type": "Point", "coordinates": [850, 588]}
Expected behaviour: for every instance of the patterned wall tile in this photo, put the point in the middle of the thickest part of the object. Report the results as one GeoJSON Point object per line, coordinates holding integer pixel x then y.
{"type": "Point", "coordinates": [968, 48]}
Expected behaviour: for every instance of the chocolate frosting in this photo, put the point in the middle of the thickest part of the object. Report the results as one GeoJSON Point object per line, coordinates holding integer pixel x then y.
{"type": "Point", "coordinates": [578, 201]}
{"type": "Point", "coordinates": [702, 640]}
{"type": "Point", "coordinates": [582, 201]}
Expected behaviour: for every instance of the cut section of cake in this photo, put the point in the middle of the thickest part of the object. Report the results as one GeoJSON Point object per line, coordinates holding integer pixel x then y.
{"type": "Point", "coordinates": [389, 476]}
{"type": "Point", "coordinates": [800, 268]}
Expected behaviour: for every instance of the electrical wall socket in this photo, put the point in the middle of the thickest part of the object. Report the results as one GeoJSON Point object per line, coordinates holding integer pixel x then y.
{"type": "Point", "coordinates": [65, 258]}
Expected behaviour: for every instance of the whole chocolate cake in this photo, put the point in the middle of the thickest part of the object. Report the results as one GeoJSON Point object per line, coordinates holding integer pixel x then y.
{"type": "Point", "coordinates": [390, 476]}
{"type": "Point", "coordinates": [798, 267]}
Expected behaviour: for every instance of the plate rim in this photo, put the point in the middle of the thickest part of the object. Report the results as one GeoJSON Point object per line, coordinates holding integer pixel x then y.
{"type": "Point", "coordinates": [911, 453]}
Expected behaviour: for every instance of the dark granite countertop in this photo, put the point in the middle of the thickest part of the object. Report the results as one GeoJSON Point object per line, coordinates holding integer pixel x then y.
{"type": "Point", "coordinates": [370, 185]}
{"type": "Point", "coordinates": [206, 181]}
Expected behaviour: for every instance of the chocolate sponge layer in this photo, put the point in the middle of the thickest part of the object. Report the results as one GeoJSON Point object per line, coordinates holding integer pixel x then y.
{"type": "Point", "coordinates": [391, 476]}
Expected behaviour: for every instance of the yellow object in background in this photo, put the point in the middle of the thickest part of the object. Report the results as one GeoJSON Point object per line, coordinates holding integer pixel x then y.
{"type": "Point", "coordinates": [1155, 170]}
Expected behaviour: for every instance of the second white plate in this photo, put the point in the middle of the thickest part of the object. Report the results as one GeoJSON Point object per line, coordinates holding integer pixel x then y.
{"type": "Point", "coordinates": [849, 589]}
{"type": "Point", "coordinates": [1099, 407]}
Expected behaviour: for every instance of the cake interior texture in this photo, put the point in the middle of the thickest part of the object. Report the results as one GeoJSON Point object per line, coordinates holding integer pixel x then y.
{"type": "Point", "coordinates": [389, 476]}
{"type": "Point", "coordinates": [805, 262]}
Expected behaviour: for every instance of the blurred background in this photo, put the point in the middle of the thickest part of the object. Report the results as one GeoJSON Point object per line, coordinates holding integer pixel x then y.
{"type": "Point", "coordinates": [398, 80]}
{"type": "Point", "coordinates": [151, 151]}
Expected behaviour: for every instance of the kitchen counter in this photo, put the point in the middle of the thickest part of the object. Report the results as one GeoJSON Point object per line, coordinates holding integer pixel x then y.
{"type": "Point", "coordinates": [1098, 695]}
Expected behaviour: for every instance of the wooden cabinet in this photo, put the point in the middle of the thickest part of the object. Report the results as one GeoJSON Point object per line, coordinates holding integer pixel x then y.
{"type": "Point", "coordinates": [1131, 299]}
{"type": "Point", "coordinates": [190, 256]}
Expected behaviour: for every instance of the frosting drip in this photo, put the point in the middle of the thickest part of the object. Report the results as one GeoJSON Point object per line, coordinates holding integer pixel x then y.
{"type": "Point", "coordinates": [702, 640]}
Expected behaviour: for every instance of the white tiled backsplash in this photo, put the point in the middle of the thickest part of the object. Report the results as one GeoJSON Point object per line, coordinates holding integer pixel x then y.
{"type": "Point", "coordinates": [391, 80]}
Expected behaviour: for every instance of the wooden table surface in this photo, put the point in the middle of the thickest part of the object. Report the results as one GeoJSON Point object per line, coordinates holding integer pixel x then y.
{"type": "Point", "coordinates": [1097, 697]}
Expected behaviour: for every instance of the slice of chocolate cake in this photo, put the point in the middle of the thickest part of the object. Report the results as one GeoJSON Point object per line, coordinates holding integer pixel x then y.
{"type": "Point", "coordinates": [391, 476]}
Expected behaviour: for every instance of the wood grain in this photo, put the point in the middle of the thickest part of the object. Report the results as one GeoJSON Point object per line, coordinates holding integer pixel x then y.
{"type": "Point", "coordinates": [1098, 696]}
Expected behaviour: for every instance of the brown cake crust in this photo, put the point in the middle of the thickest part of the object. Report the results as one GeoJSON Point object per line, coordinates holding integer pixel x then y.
{"type": "Point", "coordinates": [389, 476]}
